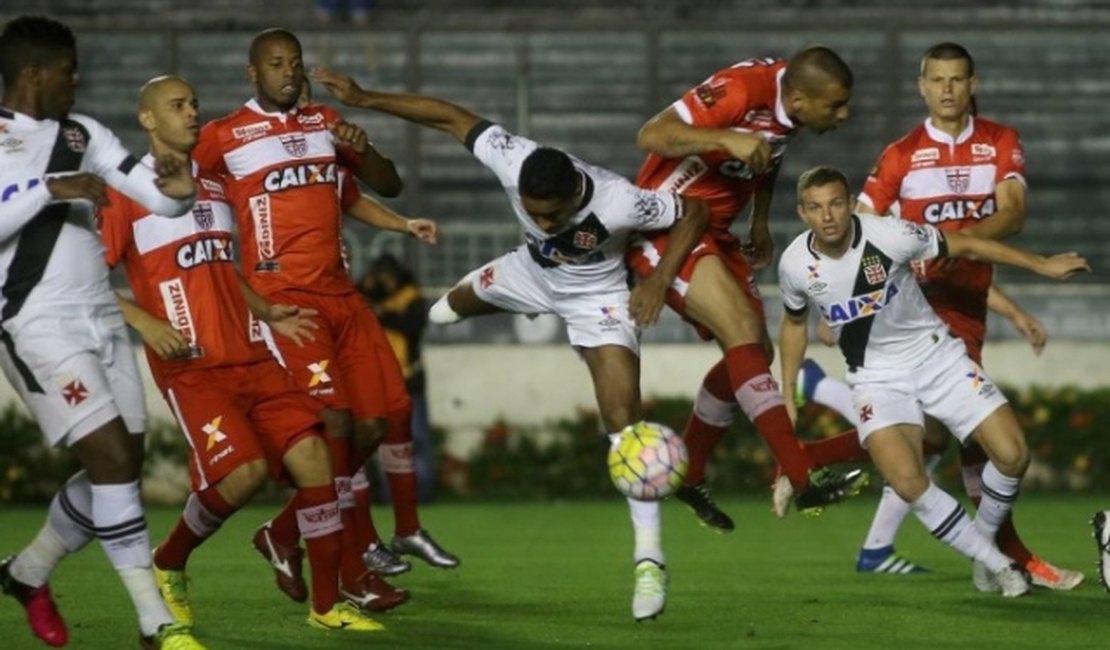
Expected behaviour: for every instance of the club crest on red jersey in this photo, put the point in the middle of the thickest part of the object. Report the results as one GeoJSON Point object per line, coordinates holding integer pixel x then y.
{"type": "Point", "coordinates": [204, 215]}
{"type": "Point", "coordinates": [959, 179]}
{"type": "Point", "coordinates": [295, 144]}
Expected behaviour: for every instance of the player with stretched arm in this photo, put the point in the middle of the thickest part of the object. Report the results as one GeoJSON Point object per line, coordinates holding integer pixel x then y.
{"type": "Point", "coordinates": [577, 220]}
{"type": "Point", "coordinates": [903, 363]}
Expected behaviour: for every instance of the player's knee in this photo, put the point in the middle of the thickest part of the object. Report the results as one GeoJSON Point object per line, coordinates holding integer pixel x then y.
{"type": "Point", "coordinates": [369, 433]}
{"type": "Point", "coordinates": [910, 485]}
{"type": "Point", "coordinates": [1012, 458]}
{"type": "Point", "coordinates": [241, 483]}
{"type": "Point", "coordinates": [337, 423]}
{"type": "Point", "coordinates": [309, 462]}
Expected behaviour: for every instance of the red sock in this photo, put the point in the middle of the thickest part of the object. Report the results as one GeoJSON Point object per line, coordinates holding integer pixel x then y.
{"type": "Point", "coordinates": [758, 395]}
{"type": "Point", "coordinates": [702, 438]}
{"type": "Point", "coordinates": [841, 448]}
{"type": "Point", "coordinates": [319, 523]}
{"type": "Point", "coordinates": [204, 513]}
{"type": "Point", "coordinates": [395, 455]}
{"type": "Point", "coordinates": [351, 567]}
{"type": "Point", "coordinates": [1007, 537]}
{"type": "Point", "coordinates": [365, 533]}
{"type": "Point", "coordinates": [283, 527]}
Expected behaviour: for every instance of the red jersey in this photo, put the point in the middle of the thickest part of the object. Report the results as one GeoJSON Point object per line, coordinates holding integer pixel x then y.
{"type": "Point", "coordinates": [930, 177]}
{"type": "Point", "coordinates": [746, 97]}
{"type": "Point", "coordinates": [181, 270]}
{"type": "Point", "coordinates": [282, 173]}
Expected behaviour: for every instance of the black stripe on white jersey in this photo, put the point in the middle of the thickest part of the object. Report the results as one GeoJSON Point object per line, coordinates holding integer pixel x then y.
{"type": "Point", "coordinates": [37, 239]}
{"type": "Point", "coordinates": [855, 334]}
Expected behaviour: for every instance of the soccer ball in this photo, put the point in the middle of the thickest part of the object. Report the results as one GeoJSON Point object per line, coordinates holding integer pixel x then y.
{"type": "Point", "coordinates": [647, 461]}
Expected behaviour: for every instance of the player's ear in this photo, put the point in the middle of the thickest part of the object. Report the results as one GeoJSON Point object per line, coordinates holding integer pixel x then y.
{"type": "Point", "coordinates": [974, 84]}
{"type": "Point", "coordinates": [146, 120]}
{"type": "Point", "coordinates": [853, 203]}
{"type": "Point", "coordinates": [921, 86]}
{"type": "Point", "coordinates": [252, 73]}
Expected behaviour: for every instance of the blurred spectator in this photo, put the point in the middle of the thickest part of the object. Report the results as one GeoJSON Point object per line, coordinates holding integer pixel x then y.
{"type": "Point", "coordinates": [395, 297]}
{"type": "Point", "coordinates": [326, 11]}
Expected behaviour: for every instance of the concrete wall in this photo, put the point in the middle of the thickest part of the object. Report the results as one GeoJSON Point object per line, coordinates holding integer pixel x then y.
{"type": "Point", "coordinates": [470, 386]}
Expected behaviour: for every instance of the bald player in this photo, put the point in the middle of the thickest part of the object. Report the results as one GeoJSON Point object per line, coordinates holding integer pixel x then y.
{"type": "Point", "coordinates": [723, 142]}
{"type": "Point", "coordinates": [238, 408]}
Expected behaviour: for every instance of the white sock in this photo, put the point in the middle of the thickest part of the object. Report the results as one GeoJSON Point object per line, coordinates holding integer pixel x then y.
{"type": "Point", "coordinates": [67, 530]}
{"type": "Point", "coordinates": [999, 493]}
{"type": "Point", "coordinates": [647, 527]}
{"type": "Point", "coordinates": [892, 511]}
{"type": "Point", "coordinates": [836, 395]}
{"type": "Point", "coordinates": [117, 514]}
{"type": "Point", "coordinates": [946, 519]}
{"type": "Point", "coordinates": [148, 602]}
{"type": "Point", "coordinates": [888, 519]}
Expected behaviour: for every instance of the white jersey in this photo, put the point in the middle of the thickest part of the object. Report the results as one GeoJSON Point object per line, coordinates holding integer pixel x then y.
{"type": "Point", "coordinates": [869, 296]}
{"type": "Point", "coordinates": [588, 255]}
{"type": "Point", "coordinates": [50, 254]}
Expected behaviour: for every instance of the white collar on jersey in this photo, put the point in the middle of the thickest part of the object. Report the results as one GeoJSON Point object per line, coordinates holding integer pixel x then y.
{"type": "Point", "coordinates": [780, 110]}
{"type": "Point", "coordinates": [944, 138]}
{"type": "Point", "coordinates": [148, 160]}
{"type": "Point", "coordinates": [857, 237]}
{"type": "Point", "coordinates": [253, 104]}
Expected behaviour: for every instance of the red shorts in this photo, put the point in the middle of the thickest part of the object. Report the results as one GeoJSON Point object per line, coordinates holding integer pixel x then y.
{"type": "Point", "coordinates": [237, 414]}
{"type": "Point", "coordinates": [647, 249]}
{"type": "Point", "coordinates": [350, 365]}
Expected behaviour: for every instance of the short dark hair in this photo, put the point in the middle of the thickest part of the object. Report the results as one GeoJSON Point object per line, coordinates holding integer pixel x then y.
{"type": "Point", "coordinates": [948, 51]}
{"type": "Point", "coordinates": [822, 175]}
{"type": "Point", "coordinates": [265, 36]}
{"type": "Point", "coordinates": [548, 174]}
{"type": "Point", "coordinates": [813, 67]}
{"type": "Point", "coordinates": [30, 41]}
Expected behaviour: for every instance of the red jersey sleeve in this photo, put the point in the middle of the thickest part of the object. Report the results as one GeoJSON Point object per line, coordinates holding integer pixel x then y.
{"type": "Point", "coordinates": [114, 220]}
{"type": "Point", "coordinates": [883, 184]}
{"type": "Point", "coordinates": [1011, 157]}
{"type": "Point", "coordinates": [208, 153]}
{"type": "Point", "coordinates": [719, 102]}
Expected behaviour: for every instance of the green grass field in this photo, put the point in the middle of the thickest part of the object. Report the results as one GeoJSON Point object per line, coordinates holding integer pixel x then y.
{"type": "Point", "coordinates": [558, 575]}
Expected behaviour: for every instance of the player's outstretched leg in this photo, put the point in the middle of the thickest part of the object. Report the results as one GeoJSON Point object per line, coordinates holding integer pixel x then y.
{"type": "Point", "coordinates": [714, 411]}
{"type": "Point", "coordinates": [68, 529]}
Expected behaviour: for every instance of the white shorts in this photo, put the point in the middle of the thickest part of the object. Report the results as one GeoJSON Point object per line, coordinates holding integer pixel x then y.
{"type": "Point", "coordinates": [946, 384]}
{"type": "Point", "coordinates": [75, 370]}
{"type": "Point", "coordinates": [515, 283]}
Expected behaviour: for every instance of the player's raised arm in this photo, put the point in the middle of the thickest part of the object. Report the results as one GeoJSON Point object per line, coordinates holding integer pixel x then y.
{"type": "Point", "coordinates": [426, 111]}
{"type": "Point", "coordinates": [1058, 267]}
{"type": "Point", "coordinates": [374, 214]}
{"type": "Point", "coordinates": [649, 296]}
{"type": "Point", "coordinates": [669, 136]}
